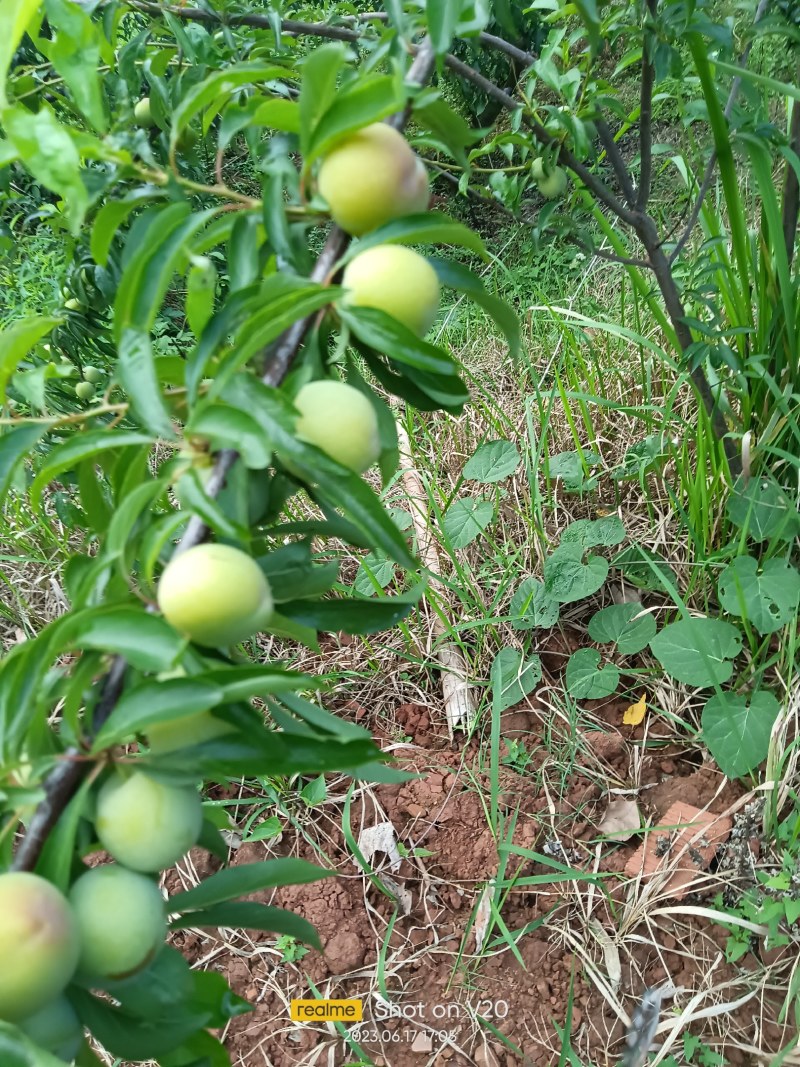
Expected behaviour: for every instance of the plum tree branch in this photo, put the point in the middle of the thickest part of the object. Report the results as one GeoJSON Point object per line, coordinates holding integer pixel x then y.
{"type": "Point", "coordinates": [646, 110]}
{"type": "Point", "coordinates": [63, 781]}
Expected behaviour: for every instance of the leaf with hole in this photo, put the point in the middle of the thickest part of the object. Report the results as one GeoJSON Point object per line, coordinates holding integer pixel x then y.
{"type": "Point", "coordinates": [532, 607]}
{"type": "Point", "coordinates": [492, 462]}
{"type": "Point", "coordinates": [586, 679]}
{"type": "Point", "coordinates": [737, 731]}
{"type": "Point", "coordinates": [465, 520]}
{"type": "Point", "coordinates": [763, 510]}
{"type": "Point", "coordinates": [767, 598]}
{"type": "Point", "coordinates": [624, 625]}
{"type": "Point", "coordinates": [513, 677]}
{"type": "Point", "coordinates": [698, 651]}
{"type": "Point", "coordinates": [567, 578]}
{"type": "Point", "coordinates": [375, 571]}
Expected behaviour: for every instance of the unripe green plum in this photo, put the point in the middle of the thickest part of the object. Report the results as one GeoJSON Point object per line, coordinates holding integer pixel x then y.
{"type": "Point", "coordinates": [372, 177]}
{"type": "Point", "coordinates": [72, 304]}
{"type": "Point", "coordinates": [93, 374]}
{"type": "Point", "coordinates": [190, 730]}
{"type": "Point", "coordinates": [145, 824]}
{"type": "Point", "coordinates": [121, 921]}
{"type": "Point", "coordinates": [56, 1028]}
{"type": "Point", "coordinates": [39, 944]}
{"type": "Point", "coordinates": [396, 280]}
{"type": "Point", "coordinates": [215, 594]}
{"type": "Point", "coordinates": [553, 185]}
{"type": "Point", "coordinates": [84, 391]}
{"type": "Point", "coordinates": [142, 114]}
{"type": "Point", "coordinates": [537, 168]}
{"type": "Point", "coordinates": [339, 420]}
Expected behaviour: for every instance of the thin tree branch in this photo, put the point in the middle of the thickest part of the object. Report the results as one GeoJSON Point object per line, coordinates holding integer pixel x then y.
{"type": "Point", "coordinates": [646, 111]}
{"type": "Point", "coordinates": [618, 164]}
{"type": "Point", "coordinates": [64, 780]}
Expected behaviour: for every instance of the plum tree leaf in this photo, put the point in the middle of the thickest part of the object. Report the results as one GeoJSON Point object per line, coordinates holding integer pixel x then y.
{"type": "Point", "coordinates": [244, 879]}
{"type": "Point", "coordinates": [698, 651]}
{"type": "Point", "coordinates": [737, 730]}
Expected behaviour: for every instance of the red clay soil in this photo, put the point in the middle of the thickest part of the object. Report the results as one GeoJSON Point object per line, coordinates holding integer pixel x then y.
{"type": "Point", "coordinates": [429, 967]}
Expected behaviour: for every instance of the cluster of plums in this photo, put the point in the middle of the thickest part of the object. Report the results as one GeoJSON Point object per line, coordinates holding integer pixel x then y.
{"type": "Point", "coordinates": [112, 922]}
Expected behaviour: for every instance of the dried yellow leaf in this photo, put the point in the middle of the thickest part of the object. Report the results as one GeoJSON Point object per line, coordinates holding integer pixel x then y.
{"type": "Point", "coordinates": [635, 713]}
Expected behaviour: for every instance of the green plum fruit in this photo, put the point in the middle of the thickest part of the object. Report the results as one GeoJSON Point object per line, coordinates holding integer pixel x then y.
{"type": "Point", "coordinates": [93, 374]}
{"type": "Point", "coordinates": [56, 1028]}
{"type": "Point", "coordinates": [189, 730]}
{"type": "Point", "coordinates": [84, 391]}
{"type": "Point", "coordinates": [39, 944]}
{"type": "Point", "coordinates": [142, 113]}
{"type": "Point", "coordinates": [553, 185]}
{"type": "Point", "coordinates": [537, 168]}
{"type": "Point", "coordinates": [72, 304]}
{"type": "Point", "coordinates": [121, 921]}
{"type": "Point", "coordinates": [145, 824]}
{"type": "Point", "coordinates": [396, 280]}
{"type": "Point", "coordinates": [340, 421]}
{"type": "Point", "coordinates": [215, 594]}
{"type": "Point", "coordinates": [372, 177]}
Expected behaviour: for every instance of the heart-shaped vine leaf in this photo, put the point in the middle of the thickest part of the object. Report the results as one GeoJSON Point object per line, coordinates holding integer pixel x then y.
{"type": "Point", "coordinates": [466, 519]}
{"type": "Point", "coordinates": [492, 462]}
{"type": "Point", "coordinates": [513, 677]}
{"type": "Point", "coordinates": [532, 607]}
{"type": "Point", "coordinates": [586, 679]}
{"type": "Point", "coordinates": [767, 598]}
{"type": "Point", "coordinates": [567, 578]}
{"type": "Point", "coordinates": [737, 731]}
{"type": "Point", "coordinates": [626, 625]}
{"type": "Point", "coordinates": [763, 510]}
{"type": "Point", "coordinates": [607, 531]}
{"type": "Point", "coordinates": [698, 651]}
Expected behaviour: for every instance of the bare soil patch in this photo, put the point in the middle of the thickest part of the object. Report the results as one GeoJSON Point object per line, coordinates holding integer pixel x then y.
{"type": "Point", "coordinates": [596, 941]}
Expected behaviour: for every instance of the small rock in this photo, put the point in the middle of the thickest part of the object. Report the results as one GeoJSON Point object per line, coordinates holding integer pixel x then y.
{"type": "Point", "coordinates": [423, 1042]}
{"type": "Point", "coordinates": [414, 810]}
{"type": "Point", "coordinates": [485, 1057]}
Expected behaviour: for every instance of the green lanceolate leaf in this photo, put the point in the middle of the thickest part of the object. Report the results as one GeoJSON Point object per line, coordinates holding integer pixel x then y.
{"type": "Point", "coordinates": [14, 446]}
{"type": "Point", "coordinates": [365, 101]}
{"type": "Point", "coordinates": [146, 641]}
{"type": "Point", "coordinates": [461, 279]}
{"type": "Point", "coordinates": [391, 338]}
{"type": "Point", "coordinates": [432, 228]}
{"type": "Point", "coordinates": [17, 341]}
{"type": "Point", "coordinates": [767, 597]}
{"type": "Point", "coordinates": [220, 84]}
{"type": "Point", "coordinates": [244, 879]}
{"type": "Point", "coordinates": [229, 427]}
{"type": "Point", "coordinates": [49, 152]}
{"type": "Point", "coordinates": [737, 730]}
{"type": "Point", "coordinates": [698, 651]}
{"type": "Point", "coordinates": [144, 283]}
{"type": "Point", "coordinates": [586, 679]}
{"type": "Point", "coordinates": [248, 915]}
{"type": "Point", "coordinates": [352, 614]}
{"type": "Point", "coordinates": [83, 446]}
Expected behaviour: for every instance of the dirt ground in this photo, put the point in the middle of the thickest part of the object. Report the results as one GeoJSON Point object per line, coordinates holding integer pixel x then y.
{"type": "Point", "coordinates": [596, 939]}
